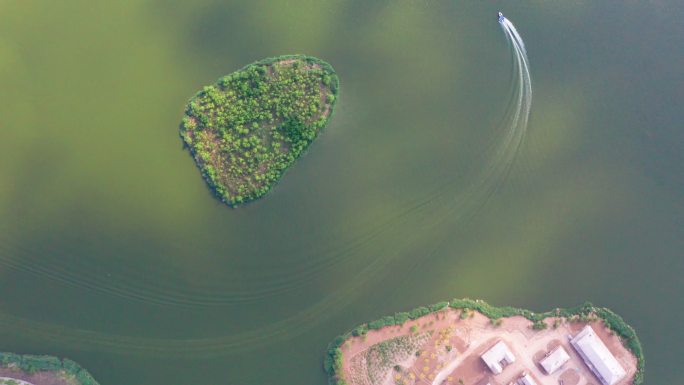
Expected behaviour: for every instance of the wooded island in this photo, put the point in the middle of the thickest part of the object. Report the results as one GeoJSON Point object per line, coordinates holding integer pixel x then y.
{"type": "Point", "coordinates": [248, 128]}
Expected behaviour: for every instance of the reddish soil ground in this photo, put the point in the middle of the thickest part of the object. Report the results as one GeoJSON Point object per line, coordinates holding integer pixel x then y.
{"type": "Point", "coordinates": [570, 377]}
{"type": "Point", "coordinates": [451, 356]}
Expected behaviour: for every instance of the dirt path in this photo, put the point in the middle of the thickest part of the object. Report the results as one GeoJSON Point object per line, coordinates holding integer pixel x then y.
{"type": "Point", "coordinates": [13, 381]}
{"type": "Point", "coordinates": [37, 378]}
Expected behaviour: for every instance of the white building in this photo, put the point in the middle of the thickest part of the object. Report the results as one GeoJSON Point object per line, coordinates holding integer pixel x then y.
{"type": "Point", "coordinates": [555, 360]}
{"type": "Point", "coordinates": [597, 356]}
{"type": "Point", "coordinates": [526, 379]}
{"type": "Point", "coordinates": [497, 357]}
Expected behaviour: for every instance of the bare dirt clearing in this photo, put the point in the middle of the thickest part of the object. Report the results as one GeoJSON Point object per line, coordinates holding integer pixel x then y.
{"type": "Point", "coordinates": [451, 354]}
{"type": "Point", "coordinates": [38, 378]}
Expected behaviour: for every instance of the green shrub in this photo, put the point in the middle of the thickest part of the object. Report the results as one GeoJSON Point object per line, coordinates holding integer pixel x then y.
{"type": "Point", "coordinates": [377, 324]}
{"type": "Point", "coordinates": [9, 358]}
{"type": "Point", "coordinates": [401, 318]}
{"type": "Point", "coordinates": [418, 312]}
{"type": "Point", "coordinates": [85, 378]}
{"type": "Point", "coordinates": [31, 363]}
{"type": "Point", "coordinates": [70, 366]}
{"type": "Point", "coordinates": [438, 306]}
{"type": "Point", "coordinates": [360, 331]}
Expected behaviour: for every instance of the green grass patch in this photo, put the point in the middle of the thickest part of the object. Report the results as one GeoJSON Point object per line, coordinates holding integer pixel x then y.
{"type": "Point", "coordinates": [248, 128]}
{"type": "Point", "coordinates": [383, 355]}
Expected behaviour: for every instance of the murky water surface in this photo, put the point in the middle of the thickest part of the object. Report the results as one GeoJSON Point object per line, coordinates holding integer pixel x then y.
{"type": "Point", "coordinates": [114, 253]}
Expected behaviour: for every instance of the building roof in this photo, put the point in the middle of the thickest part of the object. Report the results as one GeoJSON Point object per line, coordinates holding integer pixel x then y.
{"type": "Point", "coordinates": [597, 356]}
{"type": "Point", "coordinates": [526, 379]}
{"type": "Point", "coordinates": [497, 357]}
{"type": "Point", "coordinates": [555, 360]}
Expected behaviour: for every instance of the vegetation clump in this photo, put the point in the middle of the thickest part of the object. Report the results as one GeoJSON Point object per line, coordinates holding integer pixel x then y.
{"type": "Point", "coordinates": [381, 356]}
{"type": "Point", "coordinates": [245, 130]}
{"type": "Point", "coordinates": [376, 360]}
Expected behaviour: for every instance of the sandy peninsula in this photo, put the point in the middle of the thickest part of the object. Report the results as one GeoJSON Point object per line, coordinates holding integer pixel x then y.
{"type": "Point", "coordinates": [446, 347]}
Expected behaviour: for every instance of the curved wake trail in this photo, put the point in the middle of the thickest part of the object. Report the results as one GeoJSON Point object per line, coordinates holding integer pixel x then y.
{"type": "Point", "coordinates": [513, 129]}
{"type": "Point", "coordinates": [382, 243]}
{"type": "Point", "coordinates": [522, 113]}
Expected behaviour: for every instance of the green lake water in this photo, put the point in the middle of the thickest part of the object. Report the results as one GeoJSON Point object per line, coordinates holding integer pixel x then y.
{"type": "Point", "coordinates": [114, 253]}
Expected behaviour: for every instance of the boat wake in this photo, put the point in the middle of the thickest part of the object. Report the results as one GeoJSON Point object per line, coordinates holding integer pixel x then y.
{"type": "Point", "coordinates": [465, 202]}
{"type": "Point", "coordinates": [524, 98]}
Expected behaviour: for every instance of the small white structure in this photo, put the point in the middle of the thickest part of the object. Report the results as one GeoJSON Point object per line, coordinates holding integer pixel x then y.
{"type": "Point", "coordinates": [597, 356]}
{"type": "Point", "coordinates": [497, 357]}
{"type": "Point", "coordinates": [555, 360]}
{"type": "Point", "coordinates": [526, 379]}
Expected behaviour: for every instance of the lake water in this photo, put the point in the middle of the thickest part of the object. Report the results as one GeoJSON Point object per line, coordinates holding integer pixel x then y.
{"type": "Point", "coordinates": [114, 253]}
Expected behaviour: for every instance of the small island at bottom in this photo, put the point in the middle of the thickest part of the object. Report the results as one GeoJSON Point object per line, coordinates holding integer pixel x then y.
{"type": "Point", "coordinates": [469, 342]}
{"type": "Point", "coordinates": [18, 369]}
